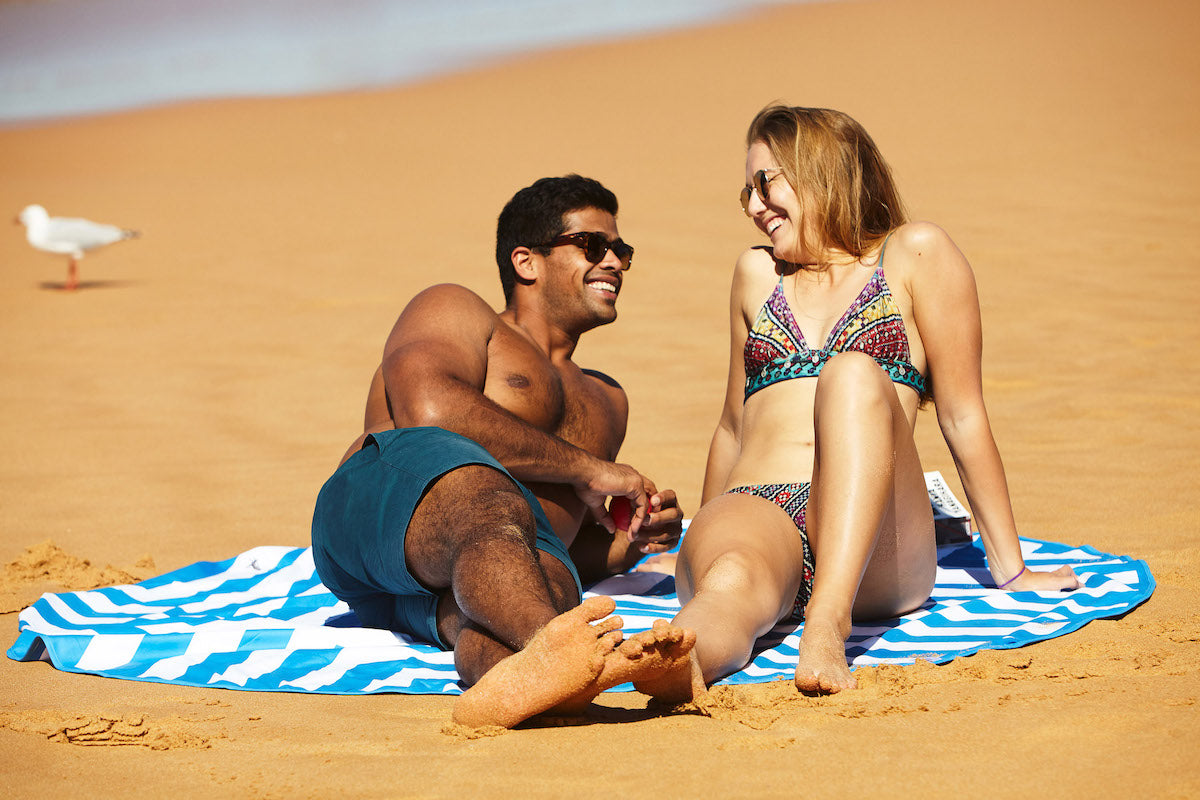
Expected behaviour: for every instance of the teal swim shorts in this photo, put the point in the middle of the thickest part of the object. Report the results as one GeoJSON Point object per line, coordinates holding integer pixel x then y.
{"type": "Point", "coordinates": [362, 516]}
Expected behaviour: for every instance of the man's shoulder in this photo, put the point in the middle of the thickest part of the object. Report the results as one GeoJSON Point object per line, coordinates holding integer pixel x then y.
{"type": "Point", "coordinates": [448, 305]}
{"type": "Point", "coordinates": [451, 296]}
{"type": "Point", "coordinates": [444, 312]}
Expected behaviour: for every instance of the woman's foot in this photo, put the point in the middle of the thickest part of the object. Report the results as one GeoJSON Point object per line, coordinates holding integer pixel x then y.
{"type": "Point", "coordinates": [822, 668]}
{"type": "Point", "coordinates": [683, 683]}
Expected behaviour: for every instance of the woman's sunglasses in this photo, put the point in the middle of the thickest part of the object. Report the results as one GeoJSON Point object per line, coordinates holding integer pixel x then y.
{"type": "Point", "coordinates": [595, 246]}
{"type": "Point", "coordinates": [761, 184]}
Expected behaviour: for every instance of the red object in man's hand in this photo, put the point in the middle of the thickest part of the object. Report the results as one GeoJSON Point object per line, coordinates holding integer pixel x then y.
{"type": "Point", "coordinates": [622, 512]}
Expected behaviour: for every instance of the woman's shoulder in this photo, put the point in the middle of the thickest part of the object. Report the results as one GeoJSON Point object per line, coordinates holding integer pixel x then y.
{"type": "Point", "coordinates": [756, 272]}
{"type": "Point", "coordinates": [922, 249]}
{"type": "Point", "coordinates": [923, 260]}
{"type": "Point", "coordinates": [920, 238]}
{"type": "Point", "coordinates": [759, 258]}
{"type": "Point", "coordinates": [757, 265]}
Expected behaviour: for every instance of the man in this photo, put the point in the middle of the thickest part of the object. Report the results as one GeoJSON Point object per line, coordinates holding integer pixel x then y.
{"type": "Point", "coordinates": [480, 482]}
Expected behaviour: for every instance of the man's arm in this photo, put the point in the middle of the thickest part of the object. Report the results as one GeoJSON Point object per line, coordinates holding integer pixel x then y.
{"type": "Point", "coordinates": [435, 367]}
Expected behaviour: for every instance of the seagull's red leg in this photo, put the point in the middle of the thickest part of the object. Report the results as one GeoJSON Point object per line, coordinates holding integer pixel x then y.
{"type": "Point", "coordinates": [72, 277]}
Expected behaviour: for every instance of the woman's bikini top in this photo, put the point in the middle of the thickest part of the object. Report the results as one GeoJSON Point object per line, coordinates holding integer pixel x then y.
{"type": "Point", "coordinates": [776, 351]}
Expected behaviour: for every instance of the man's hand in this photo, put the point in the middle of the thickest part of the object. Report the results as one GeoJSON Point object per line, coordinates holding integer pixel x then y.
{"type": "Point", "coordinates": [598, 553]}
{"type": "Point", "coordinates": [659, 533]}
{"type": "Point", "coordinates": [663, 524]}
{"type": "Point", "coordinates": [661, 527]}
{"type": "Point", "coordinates": [615, 480]}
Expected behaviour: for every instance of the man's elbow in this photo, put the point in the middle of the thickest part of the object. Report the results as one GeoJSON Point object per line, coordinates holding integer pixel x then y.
{"type": "Point", "coordinates": [421, 411]}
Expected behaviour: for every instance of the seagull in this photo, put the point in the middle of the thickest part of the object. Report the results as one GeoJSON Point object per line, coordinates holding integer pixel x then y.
{"type": "Point", "coordinates": [68, 236]}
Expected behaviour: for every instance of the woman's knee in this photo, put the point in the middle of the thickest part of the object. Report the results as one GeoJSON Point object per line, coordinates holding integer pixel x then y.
{"type": "Point", "coordinates": [852, 383]}
{"type": "Point", "coordinates": [852, 372]}
{"type": "Point", "coordinates": [732, 572]}
{"type": "Point", "coordinates": [748, 586]}
{"type": "Point", "coordinates": [741, 552]}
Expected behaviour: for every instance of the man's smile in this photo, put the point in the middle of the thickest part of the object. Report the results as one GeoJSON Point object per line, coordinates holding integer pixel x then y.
{"type": "Point", "coordinates": [605, 284]}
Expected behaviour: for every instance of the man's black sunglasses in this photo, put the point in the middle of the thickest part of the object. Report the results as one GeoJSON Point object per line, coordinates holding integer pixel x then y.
{"type": "Point", "coordinates": [595, 246]}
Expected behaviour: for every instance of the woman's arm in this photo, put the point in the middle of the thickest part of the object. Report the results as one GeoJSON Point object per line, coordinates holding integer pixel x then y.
{"type": "Point", "coordinates": [946, 313]}
{"type": "Point", "coordinates": [726, 441]}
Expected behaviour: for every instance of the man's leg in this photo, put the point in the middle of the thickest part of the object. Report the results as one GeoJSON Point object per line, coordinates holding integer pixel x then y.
{"type": "Point", "coordinates": [512, 612]}
{"type": "Point", "coordinates": [471, 539]}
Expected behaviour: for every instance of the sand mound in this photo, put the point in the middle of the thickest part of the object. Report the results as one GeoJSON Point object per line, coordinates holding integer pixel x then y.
{"type": "Point", "coordinates": [46, 566]}
{"type": "Point", "coordinates": [110, 729]}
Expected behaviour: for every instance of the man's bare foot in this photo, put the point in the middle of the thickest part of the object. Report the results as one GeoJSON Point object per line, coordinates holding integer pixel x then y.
{"type": "Point", "coordinates": [641, 657]}
{"type": "Point", "coordinates": [648, 655]}
{"type": "Point", "coordinates": [822, 665]}
{"type": "Point", "coordinates": [563, 660]}
{"type": "Point", "coordinates": [682, 683]}
{"type": "Point", "coordinates": [663, 562]}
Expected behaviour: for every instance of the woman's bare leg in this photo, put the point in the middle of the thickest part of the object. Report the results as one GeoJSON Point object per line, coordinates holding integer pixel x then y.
{"type": "Point", "coordinates": [869, 521]}
{"type": "Point", "coordinates": [738, 573]}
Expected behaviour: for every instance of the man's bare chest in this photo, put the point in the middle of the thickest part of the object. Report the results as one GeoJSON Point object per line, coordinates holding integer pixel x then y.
{"type": "Point", "coordinates": [559, 399]}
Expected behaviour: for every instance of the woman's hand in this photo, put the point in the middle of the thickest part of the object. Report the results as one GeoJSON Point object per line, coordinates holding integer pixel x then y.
{"type": "Point", "coordinates": [1059, 580]}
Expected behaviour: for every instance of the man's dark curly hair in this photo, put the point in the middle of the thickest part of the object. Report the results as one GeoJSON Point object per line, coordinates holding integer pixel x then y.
{"type": "Point", "coordinates": [537, 214]}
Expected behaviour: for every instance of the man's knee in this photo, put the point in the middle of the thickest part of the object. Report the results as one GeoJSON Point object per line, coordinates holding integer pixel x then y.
{"type": "Point", "coordinates": [466, 508]}
{"type": "Point", "coordinates": [472, 485]}
{"type": "Point", "coordinates": [477, 497]}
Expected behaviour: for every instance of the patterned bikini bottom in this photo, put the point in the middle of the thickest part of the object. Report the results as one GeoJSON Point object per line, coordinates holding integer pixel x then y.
{"type": "Point", "coordinates": [793, 499]}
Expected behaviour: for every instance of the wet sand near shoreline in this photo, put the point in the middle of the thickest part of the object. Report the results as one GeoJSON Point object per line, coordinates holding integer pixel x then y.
{"type": "Point", "coordinates": [189, 399]}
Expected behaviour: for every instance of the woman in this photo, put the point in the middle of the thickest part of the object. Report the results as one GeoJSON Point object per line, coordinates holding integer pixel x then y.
{"type": "Point", "coordinates": [814, 503]}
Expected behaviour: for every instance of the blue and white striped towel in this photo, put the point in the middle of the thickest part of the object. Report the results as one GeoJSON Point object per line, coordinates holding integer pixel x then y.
{"type": "Point", "coordinates": [263, 622]}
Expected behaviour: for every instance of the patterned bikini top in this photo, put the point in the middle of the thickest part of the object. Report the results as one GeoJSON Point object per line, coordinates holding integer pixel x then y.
{"type": "Point", "coordinates": [776, 351]}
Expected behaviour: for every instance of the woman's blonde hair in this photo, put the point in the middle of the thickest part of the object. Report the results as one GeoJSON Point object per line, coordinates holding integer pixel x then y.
{"type": "Point", "coordinates": [831, 161]}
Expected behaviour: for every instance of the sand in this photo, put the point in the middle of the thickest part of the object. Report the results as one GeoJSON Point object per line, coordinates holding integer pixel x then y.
{"type": "Point", "coordinates": [188, 401]}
